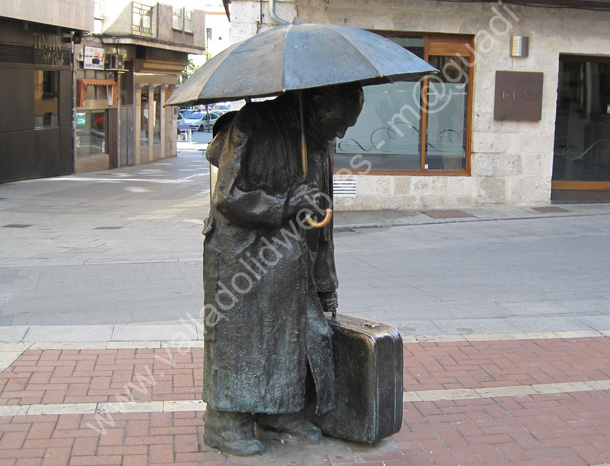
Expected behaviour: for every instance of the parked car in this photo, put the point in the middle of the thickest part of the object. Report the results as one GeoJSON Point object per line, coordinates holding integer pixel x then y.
{"type": "Point", "coordinates": [201, 120]}
{"type": "Point", "coordinates": [221, 109]}
{"type": "Point", "coordinates": [185, 112]}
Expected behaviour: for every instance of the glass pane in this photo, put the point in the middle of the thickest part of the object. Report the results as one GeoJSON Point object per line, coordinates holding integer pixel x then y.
{"type": "Point", "coordinates": [144, 134]}
{"type": "Point", "coordinates": [157, 113]}
{"type": "Point", "coordinates": [582, 127]}
{"type": "Point", "coordinates": [177, 21]}
{"type": "Point", "coordinates": [188, 20]}
{"type": "Point", "coordinates": [447, 95]}
{"type": "Point", "coordinates": [90, 134]}
{"type": "Point", "coordinates": [46, 98]}
{"type": "Point", "coordinates": [386, 135]}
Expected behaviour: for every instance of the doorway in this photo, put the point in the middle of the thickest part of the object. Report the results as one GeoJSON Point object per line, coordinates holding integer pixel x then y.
{"type": "Point", "coordinates": [581, 159]}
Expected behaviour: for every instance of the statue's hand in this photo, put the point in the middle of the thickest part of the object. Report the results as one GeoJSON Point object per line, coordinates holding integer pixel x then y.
{"type": "Point", "coordinates": [304, 196]}
{"type": "Point", "coordinates": [330, 302]}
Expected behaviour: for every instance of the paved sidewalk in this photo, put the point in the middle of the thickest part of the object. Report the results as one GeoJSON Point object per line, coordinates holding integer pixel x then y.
{"type": "Point", "coordinates": [532, 401]}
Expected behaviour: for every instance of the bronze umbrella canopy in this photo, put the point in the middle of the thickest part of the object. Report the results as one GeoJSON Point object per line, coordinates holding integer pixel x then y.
{"type": "Point", "coordinates": [297, 57]}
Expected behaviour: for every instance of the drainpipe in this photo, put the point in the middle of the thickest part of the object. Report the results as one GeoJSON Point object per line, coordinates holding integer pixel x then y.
{"type": "Point", "coordinates": [274, 17]}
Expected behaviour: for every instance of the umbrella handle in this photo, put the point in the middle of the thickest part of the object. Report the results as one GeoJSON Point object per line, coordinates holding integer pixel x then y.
{"type": "Point", "coordinates": [329, 212]}
{"type": "Point", "coordinates": [321, 224]}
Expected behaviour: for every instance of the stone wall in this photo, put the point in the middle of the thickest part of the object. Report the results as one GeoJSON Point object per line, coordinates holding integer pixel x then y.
{"type": "Point", "coordinates": [511, 162]}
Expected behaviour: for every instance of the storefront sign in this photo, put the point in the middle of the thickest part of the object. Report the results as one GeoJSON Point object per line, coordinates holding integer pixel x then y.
{"type": "Point", "coordinates": [93, 58]}
{"type": "Point", "coordinates": [518, 96]}
{"type": "Point", "coordinates": [51, 48]}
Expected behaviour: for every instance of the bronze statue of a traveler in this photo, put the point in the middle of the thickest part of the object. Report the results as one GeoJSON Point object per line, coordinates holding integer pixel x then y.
{"type": "Point", "coordinates": [269, 276]}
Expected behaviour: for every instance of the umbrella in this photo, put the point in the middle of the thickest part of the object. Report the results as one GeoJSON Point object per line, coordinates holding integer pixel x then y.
{"type": "Point", "coordinates": [297, 57]}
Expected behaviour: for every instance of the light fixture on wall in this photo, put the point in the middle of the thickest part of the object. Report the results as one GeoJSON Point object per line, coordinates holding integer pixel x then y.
{"type": "Point", "coordinates": [519, 46]}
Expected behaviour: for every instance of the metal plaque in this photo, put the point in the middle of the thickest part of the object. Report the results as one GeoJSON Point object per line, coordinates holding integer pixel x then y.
{"type": "Point", "coordinates": [518, 96]}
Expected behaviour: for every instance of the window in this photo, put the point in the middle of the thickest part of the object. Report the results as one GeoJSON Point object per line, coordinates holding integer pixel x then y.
{"type": "Point", "coordinates": [447, 115]}
{"type": "Point", "coordinates": [177, 19]}
{"type": "Point", "coordinates": [188, 20]}
{"type": "Point", "coordinates": [420, 126]}
{"type": "Point", "coordinates": [46, 98]}
{"type": "Point", "coordinates": [91, 134]}
{"type": "Point", "coordinates": [182, 20]}
{"type": "Point", "coordinates": [98, 16]}
{"type": "Point", "coordinates": [142, 19]}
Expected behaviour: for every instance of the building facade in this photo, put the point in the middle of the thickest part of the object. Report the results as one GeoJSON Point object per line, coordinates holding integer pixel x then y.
{"type": "Point", "coordinates": [83, 83]}
{"type": "Point", "coordinates": [36, 93]}
{"type": "Point", "coordinates": [125, 71]}
{"type": "Point", "coordinates": [520, 106]}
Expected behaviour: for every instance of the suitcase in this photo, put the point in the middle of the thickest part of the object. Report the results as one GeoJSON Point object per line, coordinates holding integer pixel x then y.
{"type": "Point", "coordinates": [368, 375]}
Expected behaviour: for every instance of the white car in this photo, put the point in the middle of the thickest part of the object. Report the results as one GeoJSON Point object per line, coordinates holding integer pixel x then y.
{"type": "Point", "coordinates": [200, 121]}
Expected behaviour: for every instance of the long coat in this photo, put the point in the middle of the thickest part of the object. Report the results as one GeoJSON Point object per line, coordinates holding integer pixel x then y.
{"type": "Point", "coordinates": [264, 325]}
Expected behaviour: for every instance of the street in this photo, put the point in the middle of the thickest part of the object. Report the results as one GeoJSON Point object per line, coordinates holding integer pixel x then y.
{"type": "Point", "coordinates": [125, 246]}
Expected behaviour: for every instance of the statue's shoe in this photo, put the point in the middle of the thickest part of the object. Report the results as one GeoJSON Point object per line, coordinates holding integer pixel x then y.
{"type": "Point", "coordinates": [293, 424]}
{"type": "Point", "coordinates": [240, 447]}
{"type": "Point", "coordinates": [231, 433]}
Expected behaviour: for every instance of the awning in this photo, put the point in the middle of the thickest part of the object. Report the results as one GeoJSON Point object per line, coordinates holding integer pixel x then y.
{"type": "Point", "coordinates": [113, 94]}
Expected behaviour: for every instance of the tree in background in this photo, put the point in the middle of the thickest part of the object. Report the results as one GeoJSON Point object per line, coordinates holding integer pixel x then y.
{"type": "Point", "coordinates": [190, 68]}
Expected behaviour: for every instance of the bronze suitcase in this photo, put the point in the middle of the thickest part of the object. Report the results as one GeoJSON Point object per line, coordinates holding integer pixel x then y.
{"type": "Point", "coordinates": [368, 367]}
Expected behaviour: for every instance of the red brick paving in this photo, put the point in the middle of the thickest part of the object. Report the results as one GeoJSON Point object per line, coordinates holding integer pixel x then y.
{"type": "Point", "coordinates": [98, 376]}
{"type": "Point", "coordinates": [479, 364]}
{"type": "Point", "coordinates": [541, 430]}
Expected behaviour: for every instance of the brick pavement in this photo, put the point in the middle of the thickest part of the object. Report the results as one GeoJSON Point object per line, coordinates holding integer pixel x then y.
{"type": "Point", "coordinates": [554, 408]}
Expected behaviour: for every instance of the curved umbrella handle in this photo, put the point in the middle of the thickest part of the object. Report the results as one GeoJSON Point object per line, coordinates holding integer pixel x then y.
{"type": "Point", "coordinates": [329, 212]}
{"type": "Point", "coordinates": [321, 224]}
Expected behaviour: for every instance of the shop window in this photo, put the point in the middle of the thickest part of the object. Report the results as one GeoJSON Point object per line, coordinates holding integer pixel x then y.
{"type": "Point", "coordinates": [91, 134]}
{"type": "Point", "coordinates": [420, 127]}
{"type": "Point", "coordinates": [142, 19]}
{"type": "Point", "coordinates": [157, 113]}
{"type": "Point", "coordinates": [447, 112]}
{"type": "Point", "coordinates": [144, 115]}
{"type": "Point", "coordinates": [46, 98]}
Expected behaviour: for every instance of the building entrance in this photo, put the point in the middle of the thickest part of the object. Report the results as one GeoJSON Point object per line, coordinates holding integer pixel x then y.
{"type": "Point", "coordinates": [582, 130]}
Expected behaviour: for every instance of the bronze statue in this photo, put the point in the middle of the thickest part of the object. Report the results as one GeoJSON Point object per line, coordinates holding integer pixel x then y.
{"type": "Point", "coordinates": [268, 275]}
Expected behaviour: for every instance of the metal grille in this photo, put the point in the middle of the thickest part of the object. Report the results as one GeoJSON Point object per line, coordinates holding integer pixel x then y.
{"type": "Point", "coordinates": [344, 186]}
{"type": "Point", "coordinates": [13, 53]}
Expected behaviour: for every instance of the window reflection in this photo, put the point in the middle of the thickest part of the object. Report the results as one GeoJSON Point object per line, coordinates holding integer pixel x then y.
{"type": "Point", "coordinates": [398, 118]}
{"type": "Point", "coordinates": [387, 133]}
{"type": "Point", "coordinates": [447, 95]}
{"type": "Point", "coordinates": [46, 98]}
{"type": "Point", "coordinates": [90, 134]}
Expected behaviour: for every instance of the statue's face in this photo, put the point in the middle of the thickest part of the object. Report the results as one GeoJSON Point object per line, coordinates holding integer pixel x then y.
{"type": "Point", "coordinates": [337, 108]}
